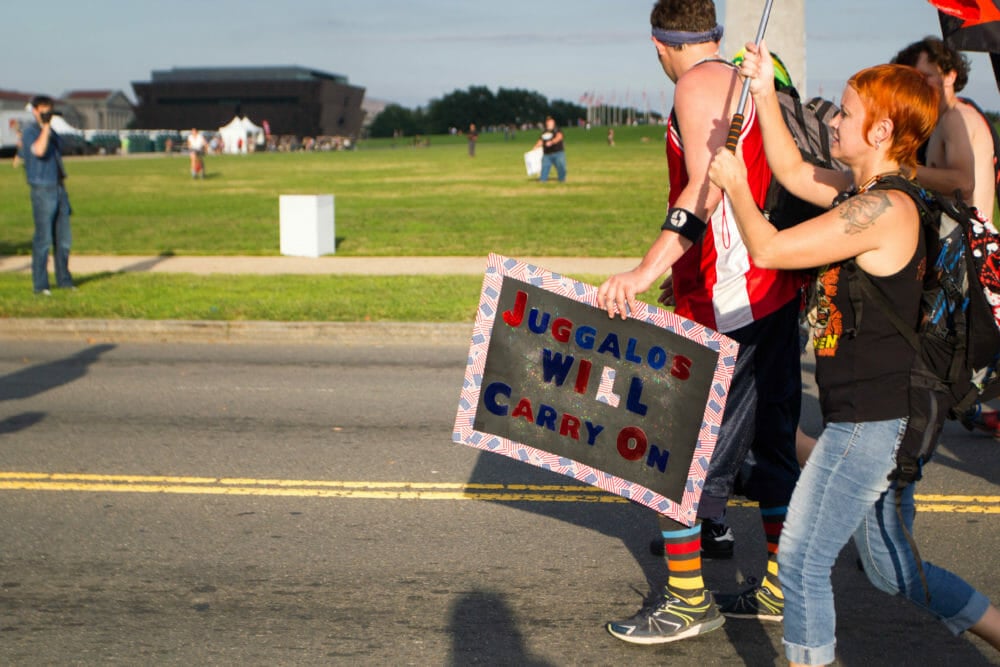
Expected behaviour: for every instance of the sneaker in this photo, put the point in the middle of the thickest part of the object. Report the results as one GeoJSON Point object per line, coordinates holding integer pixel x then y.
{"type": "Point", "coordinates": [987, 421]}
{"type": "Point", "coordinates": [43, 292]}
{"type": "Point", "coordinates": [668, 619]}
{"type": "Point", "coordinates": [756, 602]}
{"type": "Point", "coordinates": [717, 541]}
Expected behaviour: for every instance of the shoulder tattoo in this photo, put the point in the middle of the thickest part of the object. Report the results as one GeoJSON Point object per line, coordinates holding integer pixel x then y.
{"type": "Point", "coordinates": [860, 212]}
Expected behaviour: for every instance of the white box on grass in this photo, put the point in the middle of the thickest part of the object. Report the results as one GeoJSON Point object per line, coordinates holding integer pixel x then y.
{"type": "Point", "coordinates": [307, 225]}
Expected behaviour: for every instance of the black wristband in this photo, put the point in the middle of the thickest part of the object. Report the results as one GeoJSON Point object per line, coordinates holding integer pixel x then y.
{"type": "Point", "coordinates": [685, 223]}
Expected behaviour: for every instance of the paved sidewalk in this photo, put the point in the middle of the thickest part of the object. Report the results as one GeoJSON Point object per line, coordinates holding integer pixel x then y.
{"type": "Point", "coordinates": [330, 265]}
{"type": "Point", "coordinates": [336, 333]}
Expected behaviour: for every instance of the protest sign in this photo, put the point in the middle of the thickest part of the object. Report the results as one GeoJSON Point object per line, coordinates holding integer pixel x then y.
{"type": "Point", "coordinates": [631, 406]}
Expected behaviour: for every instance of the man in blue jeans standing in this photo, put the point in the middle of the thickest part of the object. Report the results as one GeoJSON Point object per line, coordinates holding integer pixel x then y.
{"type": "Point", "coordinates": [553, 152]}
{"type": "Point", "coordinates": [41, 150]}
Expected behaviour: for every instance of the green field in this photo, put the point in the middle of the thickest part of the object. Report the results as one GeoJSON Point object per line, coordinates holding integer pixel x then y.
{"type": "Point", "coordinates": [392, 198]}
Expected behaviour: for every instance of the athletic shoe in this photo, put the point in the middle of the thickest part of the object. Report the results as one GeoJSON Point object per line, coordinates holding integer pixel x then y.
{"type": "Point", "coordinates": [756, 602]}
{"type": "Point", "coordinates": [667, 619]}
{"type": "Point", "coordinates": [717, 541]}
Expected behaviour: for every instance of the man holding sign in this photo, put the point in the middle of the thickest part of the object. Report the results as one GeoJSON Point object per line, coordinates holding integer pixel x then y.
{"type": "Point", "coordinates": [716, 284]}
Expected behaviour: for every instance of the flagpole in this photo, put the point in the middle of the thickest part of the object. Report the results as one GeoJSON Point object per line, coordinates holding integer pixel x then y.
{"type": "Point", "coordinates": [736, 127]}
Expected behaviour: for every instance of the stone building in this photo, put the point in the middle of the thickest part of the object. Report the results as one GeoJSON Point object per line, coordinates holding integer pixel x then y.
{"type": "Point", "coordinates": [100, 109]}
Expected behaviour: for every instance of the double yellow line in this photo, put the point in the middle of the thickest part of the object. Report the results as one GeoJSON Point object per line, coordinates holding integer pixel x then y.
{"type": "Point", "coordinates": [241, 486]}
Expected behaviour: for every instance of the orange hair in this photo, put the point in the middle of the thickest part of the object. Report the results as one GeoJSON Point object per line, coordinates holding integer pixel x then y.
{"type": "Point", "coordinates": [901, 94]}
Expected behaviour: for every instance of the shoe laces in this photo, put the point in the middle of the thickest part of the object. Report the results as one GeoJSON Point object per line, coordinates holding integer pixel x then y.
{"type": "Point", "coordinates": [655, 601]}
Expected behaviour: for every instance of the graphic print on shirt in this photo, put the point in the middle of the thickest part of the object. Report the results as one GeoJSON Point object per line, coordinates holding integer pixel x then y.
{"type": "Point", "coordinates": [826, 319]}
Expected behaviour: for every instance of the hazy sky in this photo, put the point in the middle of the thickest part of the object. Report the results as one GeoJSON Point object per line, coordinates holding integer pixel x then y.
{"type": "Point", "coordinates": [410, 51]}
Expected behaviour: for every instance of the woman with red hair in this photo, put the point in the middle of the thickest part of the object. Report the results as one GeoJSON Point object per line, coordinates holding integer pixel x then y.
{"type": "Point", "coordinates": [874, 227]}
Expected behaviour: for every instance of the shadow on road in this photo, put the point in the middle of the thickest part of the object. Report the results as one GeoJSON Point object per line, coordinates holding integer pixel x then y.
{"type": "Point", "coordinates": [973, 453]}
{"type": "Point", "coordinates": [484, 632]}
{"type": "Point", "coordinates": [634, 525]}
{"type": "Point", "coordinates": [41, 378]}
{"type": "Point", "coordinates": [20, 422]}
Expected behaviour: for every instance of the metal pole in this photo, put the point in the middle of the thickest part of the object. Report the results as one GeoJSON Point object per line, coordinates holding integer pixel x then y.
{"type": "Point", "coordinates": [736, 127]}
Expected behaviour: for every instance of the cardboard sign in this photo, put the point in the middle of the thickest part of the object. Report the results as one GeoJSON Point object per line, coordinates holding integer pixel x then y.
{"type": "Point", "coordinates": [631, 406]}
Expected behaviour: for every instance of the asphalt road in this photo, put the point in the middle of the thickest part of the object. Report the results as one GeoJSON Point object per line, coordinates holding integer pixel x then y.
{"type": "Point", "coordinates": [304, 505]}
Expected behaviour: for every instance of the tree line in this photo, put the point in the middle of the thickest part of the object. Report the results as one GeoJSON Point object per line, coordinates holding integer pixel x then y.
{"type": "Point", "coordinates": [479, 105]}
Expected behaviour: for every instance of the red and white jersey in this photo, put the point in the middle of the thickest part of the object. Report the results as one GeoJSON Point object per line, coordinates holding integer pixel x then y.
{"type": "Point", "coordinates": [715, 282]}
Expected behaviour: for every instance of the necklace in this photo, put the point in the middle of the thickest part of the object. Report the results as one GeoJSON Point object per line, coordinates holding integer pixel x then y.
{"type": "Point", "coordinates": [876, 178]}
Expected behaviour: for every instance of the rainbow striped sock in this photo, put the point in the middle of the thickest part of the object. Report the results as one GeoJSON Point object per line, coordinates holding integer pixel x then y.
{"type": "Point", "coordinates": [773, 519]}
{"type": "Point", "coordinates": [682, 547]}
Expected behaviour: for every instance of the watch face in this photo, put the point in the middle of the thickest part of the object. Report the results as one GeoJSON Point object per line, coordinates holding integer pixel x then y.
{"type": "Point", "coordinates": [547, 136]}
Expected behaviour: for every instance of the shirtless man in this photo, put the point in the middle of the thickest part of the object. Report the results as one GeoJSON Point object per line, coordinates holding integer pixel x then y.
{"type": "Point", "coordinates": [960, 151]}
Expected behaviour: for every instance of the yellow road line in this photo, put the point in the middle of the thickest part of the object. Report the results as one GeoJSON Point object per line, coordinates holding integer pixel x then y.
{"type": "Point", "coordinates": [238, 486]}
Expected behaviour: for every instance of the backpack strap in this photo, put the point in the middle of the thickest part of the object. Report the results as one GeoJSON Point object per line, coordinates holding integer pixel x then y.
{"type": "Point", "coordinates": [857, 277]}
{"type": "Point", "coordinates": [714, 59]}
{"type": "Point", "coordinates": [859, 282]}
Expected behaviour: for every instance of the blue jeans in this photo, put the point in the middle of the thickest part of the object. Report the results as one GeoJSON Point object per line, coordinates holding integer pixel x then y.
{"type": "Point", "coordinates": [50, 209]}
{"type": "Point", "coordinates": [843, 492]}
{"type": "Point", "coordinates": [557, 159]}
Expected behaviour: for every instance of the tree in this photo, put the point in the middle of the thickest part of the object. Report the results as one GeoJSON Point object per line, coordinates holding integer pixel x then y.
{"type": "Point", "coordinates": [476, 104]}
{"type": "Point", "coordinates": [459, 108]}
{"type": "Point", "coordinates": [395, 118]}
{"type": "Point", "coordinates": [566, 113]}
{"type": "Point", "coordinates": [515, 106]}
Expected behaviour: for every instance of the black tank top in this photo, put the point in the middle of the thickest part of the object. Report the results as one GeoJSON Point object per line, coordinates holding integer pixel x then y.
{"type": "Point", "coordinates": [862, 370]}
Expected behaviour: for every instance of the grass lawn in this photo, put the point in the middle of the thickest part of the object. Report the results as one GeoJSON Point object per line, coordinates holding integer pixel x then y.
{"type": "Point", "coordinates": [163, 296]}
{"type": "Point", "coordinates": [391, 199]}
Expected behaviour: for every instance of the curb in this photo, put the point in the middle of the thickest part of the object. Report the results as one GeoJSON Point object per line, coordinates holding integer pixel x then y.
{"type": "Point", "coordinates": [208, 331]}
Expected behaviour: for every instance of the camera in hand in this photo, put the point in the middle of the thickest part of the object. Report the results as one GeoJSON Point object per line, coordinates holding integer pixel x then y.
{"type": "Point", "coordinates": [46, 116]}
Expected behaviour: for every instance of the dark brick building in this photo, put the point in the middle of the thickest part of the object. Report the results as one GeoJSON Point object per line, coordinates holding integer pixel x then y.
{"type": "Point", "coordinates": [293, 100]}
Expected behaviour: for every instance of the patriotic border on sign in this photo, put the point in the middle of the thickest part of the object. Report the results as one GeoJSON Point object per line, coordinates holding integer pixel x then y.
{"type": "Point", "coordinates": [683, 509]}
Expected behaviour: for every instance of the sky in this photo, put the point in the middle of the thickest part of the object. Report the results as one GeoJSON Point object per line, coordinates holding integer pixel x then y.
{"type": "Point", "coordinates": [412, 51]}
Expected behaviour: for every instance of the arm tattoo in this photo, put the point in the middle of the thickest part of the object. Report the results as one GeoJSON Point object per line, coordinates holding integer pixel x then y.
{"type": "Point", "coordinates": [859, 212]}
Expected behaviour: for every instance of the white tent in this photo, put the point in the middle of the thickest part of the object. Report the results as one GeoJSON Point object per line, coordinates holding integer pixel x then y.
{"type": "Point", "coordinates": [239, 134]}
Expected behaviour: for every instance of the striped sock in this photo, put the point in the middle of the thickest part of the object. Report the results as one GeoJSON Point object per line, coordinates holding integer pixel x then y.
{"type": "Point", "coordinates": [682, 546]}
{"type": "Point", "coordinates": [773, 519]}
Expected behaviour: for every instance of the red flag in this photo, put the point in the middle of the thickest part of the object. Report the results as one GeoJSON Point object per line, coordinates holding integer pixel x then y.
{"type": "Point", "coordinates": [969, 12]}
{"type": "Point", "coordinates": [971, 25]}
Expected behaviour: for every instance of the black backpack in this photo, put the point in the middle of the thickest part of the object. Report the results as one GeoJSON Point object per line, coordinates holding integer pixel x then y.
{"type": "Point", "coordinates": [809, 125]}
{"type": "Point", "coordinates": [957, 342]}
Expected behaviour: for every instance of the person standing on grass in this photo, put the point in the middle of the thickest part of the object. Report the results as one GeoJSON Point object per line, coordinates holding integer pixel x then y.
{"type": "Point", "coordinates": [716, 285]}
{"type": "Point", "coordinates": [196, 146]}
{"type": "Point", "coordinates": [473, 136]}
{"type": "Point", "coordinates": [41, 152]}
{"type": "Point", "coordinates": [553, 151]}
